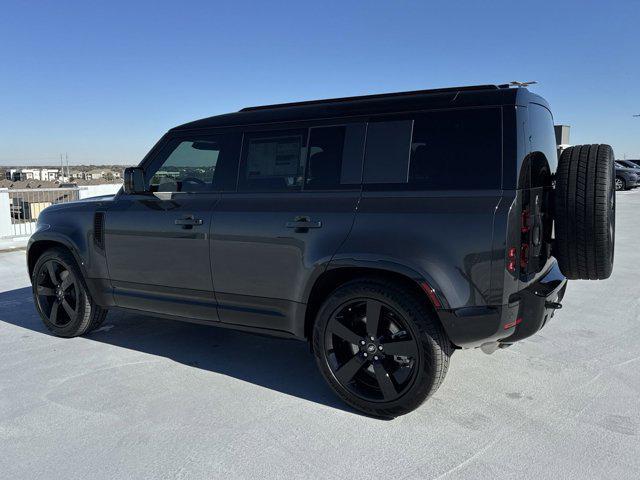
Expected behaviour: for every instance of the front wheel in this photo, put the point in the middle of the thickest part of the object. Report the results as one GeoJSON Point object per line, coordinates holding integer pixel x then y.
{"type": "Point", "coordinates": [61, 296]}
{"type": "Point", "coordinates": [620, 184]}
{"type": "Point", "coordinates": [380, 348]}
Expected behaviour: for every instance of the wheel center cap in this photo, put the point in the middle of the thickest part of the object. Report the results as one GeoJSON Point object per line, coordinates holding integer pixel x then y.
{"type": "Point", "coordinates": [371, 348]}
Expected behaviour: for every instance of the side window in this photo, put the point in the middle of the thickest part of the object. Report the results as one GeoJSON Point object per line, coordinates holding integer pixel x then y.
{"type": "Point", "coordinates": [457, 149]}
{"type": "Point", "coordinates": [387, 152]}
{"type": "Point", "coordinates": [202, 163]}
{"type": "Point", "coordinates": [335, 157]}
{"type": "Point", "coordinates": [273, 161]}
{"type": "Point", "coordinates": [452, 150]}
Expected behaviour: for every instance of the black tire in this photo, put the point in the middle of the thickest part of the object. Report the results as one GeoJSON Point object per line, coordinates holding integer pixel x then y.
{"type": "Point", "coordinates": [391, 384]}
{"type": "Point", "coordinates": [58, 286]}
{"type": "Point", "coordinates": [585, 212]}
{"type": "Point", "coordinates": [620, 184]}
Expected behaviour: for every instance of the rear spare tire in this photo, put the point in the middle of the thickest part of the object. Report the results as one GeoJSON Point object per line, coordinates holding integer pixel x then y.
{"type": "Point", "coordinates": [585, 204]}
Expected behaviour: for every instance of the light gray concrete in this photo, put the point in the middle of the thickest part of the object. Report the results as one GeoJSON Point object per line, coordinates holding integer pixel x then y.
{"type": "Point", "coordinates": [150, 398]}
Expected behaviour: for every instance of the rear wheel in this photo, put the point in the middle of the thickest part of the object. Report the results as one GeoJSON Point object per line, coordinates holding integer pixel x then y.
{"type": "Point", "coordinates": [61, 296]}
{"type": "Point", "coordinates": [620, 184]}
{"type": "Point", "coordinates": [380, 348]}
{"type": "Point", "coordinates": [585, 205]}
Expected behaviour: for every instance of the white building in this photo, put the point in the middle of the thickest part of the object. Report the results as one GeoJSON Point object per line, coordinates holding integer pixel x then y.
{"type": "Point", "coordinates": [49, 174]}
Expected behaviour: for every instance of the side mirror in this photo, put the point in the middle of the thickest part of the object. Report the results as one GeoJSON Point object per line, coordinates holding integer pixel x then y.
{"type": "Point", "coordinates": [134, 180]}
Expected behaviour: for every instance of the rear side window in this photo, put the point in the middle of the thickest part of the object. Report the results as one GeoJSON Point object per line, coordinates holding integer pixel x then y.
{"type": "Point", "coordinates": [448, 150]}
{"type": "Point", "coordinates": [387, 152]}
{"type": "Point", "coordinates": [335, 157]}
{"type": "Point", "coordinates": [273, 161]}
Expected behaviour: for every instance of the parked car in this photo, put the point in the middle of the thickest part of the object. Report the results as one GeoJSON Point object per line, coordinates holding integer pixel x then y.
{"type": "Point", "coordinates": [629, 164]}
{"type": "Point", "coordinates": [626, 177]}
{"type": "Point", "coordinates": [635, 162]}
{"type": "Point", "coordinates": [385, 230]}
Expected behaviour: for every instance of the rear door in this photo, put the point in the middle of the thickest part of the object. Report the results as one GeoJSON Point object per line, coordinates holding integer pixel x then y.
{"type": "Point", "coordinates": [296, 199]}
{"type": "Point", "coordinates": [157, 243]}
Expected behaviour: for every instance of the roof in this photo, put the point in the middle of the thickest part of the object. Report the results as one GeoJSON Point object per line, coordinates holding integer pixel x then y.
{"type": "Point", "coordinates": [371, 104]}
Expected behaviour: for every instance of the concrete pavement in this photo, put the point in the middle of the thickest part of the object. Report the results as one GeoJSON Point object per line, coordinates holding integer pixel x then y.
{"type": "Point", "coordinates": [149, 398]}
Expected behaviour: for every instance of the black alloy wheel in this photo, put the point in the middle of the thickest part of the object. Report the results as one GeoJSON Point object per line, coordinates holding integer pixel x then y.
{"type": "Point", "coordinates": [380, 347]}
{"type": "Point", "coordinates": [370, 350]}
{"type": "Point", "coordinates": [61, 296]}
{"type": "Point", "coordinates": [57, 293]}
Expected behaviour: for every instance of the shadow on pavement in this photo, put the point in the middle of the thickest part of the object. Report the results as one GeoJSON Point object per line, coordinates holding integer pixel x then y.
{"type": "Point", "coordinates": [282, 365]}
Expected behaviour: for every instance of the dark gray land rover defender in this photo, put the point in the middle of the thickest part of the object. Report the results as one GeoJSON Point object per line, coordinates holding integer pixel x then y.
{"type": "Point", "coordinates": [385, 230]}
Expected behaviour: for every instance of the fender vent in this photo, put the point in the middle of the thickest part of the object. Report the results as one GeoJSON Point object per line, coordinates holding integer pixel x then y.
{"type": "Point", "coordinates": [98, 230]}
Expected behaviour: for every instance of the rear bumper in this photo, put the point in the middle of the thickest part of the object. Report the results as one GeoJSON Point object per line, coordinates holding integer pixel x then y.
{"type": "Point", "coordinates": [526, 313]}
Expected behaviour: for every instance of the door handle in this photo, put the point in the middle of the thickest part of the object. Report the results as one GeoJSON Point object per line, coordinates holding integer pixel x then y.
{"type": "Point", "coordinates": [188, 222]}
{"type": "Point", "coordinates": [303, 222]}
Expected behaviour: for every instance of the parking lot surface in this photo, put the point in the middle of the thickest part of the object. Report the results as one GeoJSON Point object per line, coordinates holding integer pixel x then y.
{"type": "Point", "coordinates": [149, 398]}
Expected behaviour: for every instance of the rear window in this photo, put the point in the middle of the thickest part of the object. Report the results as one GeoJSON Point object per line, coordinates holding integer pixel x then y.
{"type": "Point", "coordinates": [335, 157]}
{"type": "Point", "coordinates": [273, 161]}
{"type": "Point", "coordinates": [446, 150]}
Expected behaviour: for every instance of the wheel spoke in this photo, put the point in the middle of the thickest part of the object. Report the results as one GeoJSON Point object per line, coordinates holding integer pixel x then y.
{"type": "Point", "coordinates": [345, 373]}
{"type": "Point", "coordinates": [53, 316]}
{"type": "Point", "coordinates": [344, 332]}
{"type": "Point", "coordinates": [52, 273]}
{"type": "Point", "coordinates": [67, 281]}
{"type": "Point", "coordinates": [45, 291]}
{"type": "Point", "coordinates": [67, 308]}
{"type": "Point", "coordinates": [374, 309]}
{"type": "Point", "coordinates": [384, 381]}
{"type": "Point", "coordinates": [407, 348]}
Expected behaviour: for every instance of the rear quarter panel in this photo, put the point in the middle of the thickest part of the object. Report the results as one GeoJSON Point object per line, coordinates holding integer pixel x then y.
{"type": "Point", "coordinates": [445, 237]}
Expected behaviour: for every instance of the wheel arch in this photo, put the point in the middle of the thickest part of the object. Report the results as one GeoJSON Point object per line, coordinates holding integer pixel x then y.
{"type": "Point", "coordinates": [335, 276]}
{"type": "Point", "coordinates": [38, 244]}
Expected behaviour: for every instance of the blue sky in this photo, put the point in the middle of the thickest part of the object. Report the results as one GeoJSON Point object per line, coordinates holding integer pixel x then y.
{"type": "Point", "coordinates": [103, 81]}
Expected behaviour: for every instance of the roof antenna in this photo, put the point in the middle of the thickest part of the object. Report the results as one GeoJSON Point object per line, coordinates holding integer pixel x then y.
{"type": "Point", "coordinates": [522, 84]}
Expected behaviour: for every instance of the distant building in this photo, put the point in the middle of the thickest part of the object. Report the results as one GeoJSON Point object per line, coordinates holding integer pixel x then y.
{"type": "Point", "coordinates": [94, 174]}
{"type": "Point", "coordinates": [49, 174]}
{"type": "Point", "coordinates": [30, 174]}
{"type": "Point", "coordinates": [44, 174]}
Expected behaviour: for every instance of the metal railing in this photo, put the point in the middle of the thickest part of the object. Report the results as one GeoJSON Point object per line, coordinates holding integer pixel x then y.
{"type": "Point", "coordinates": [26, 204]}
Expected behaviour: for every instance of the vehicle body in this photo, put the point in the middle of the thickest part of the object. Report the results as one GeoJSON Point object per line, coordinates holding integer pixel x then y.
{"type": "Point", "coordinates": [434, 204]}
{"type": "Point", "coordinates": [628, 164]}
{"type": "Point", "coordinates": [626, 177]}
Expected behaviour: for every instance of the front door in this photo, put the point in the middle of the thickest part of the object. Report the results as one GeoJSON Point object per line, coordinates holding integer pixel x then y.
{"type": "Point", "coordinates": [157, 243]}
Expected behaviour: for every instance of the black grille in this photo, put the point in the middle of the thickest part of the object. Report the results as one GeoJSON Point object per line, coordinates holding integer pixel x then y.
{"type": "Point", "coordinates": [98, 230]}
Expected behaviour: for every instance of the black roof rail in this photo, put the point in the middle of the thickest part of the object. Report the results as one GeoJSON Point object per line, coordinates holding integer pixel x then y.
{"type": "Point", "coordinates": [371, 97]}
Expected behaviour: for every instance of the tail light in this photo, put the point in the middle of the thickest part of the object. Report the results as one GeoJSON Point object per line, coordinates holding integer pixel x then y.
{"type": "Point", "coordinates": [525, 233]}
{"type": "Point", "coordinates": [524, 256]}
{"type": "Point", "coordinates": [511, 259]}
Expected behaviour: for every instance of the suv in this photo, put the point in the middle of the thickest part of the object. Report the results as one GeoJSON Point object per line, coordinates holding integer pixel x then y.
{"type": "Point", "coordinates": [626, 176]}
{"type": "Point", "coordinates": [385, 230]}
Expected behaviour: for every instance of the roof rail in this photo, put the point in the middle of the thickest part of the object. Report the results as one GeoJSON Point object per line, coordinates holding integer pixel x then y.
{"type": "Point", "coordinates": [371, 97]}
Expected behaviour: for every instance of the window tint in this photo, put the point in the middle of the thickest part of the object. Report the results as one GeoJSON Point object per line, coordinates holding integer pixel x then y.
{"type": "Point", "coordinates": [188, 167]}
{"type": "Point", "coordinates": [454, 149]}
{"type": "Point", "coordinates": [335, 156]}
{"type": "Point", "coordinates": [387, 151]}
{"type": "Point", "coordinates": [273, 161]}
{"type": "Point", "coordinates": [201, 163]}
{"type": "Point", "coordinates": [544, 155]}
{"type": "Point", "coordinates": [457, 149]}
